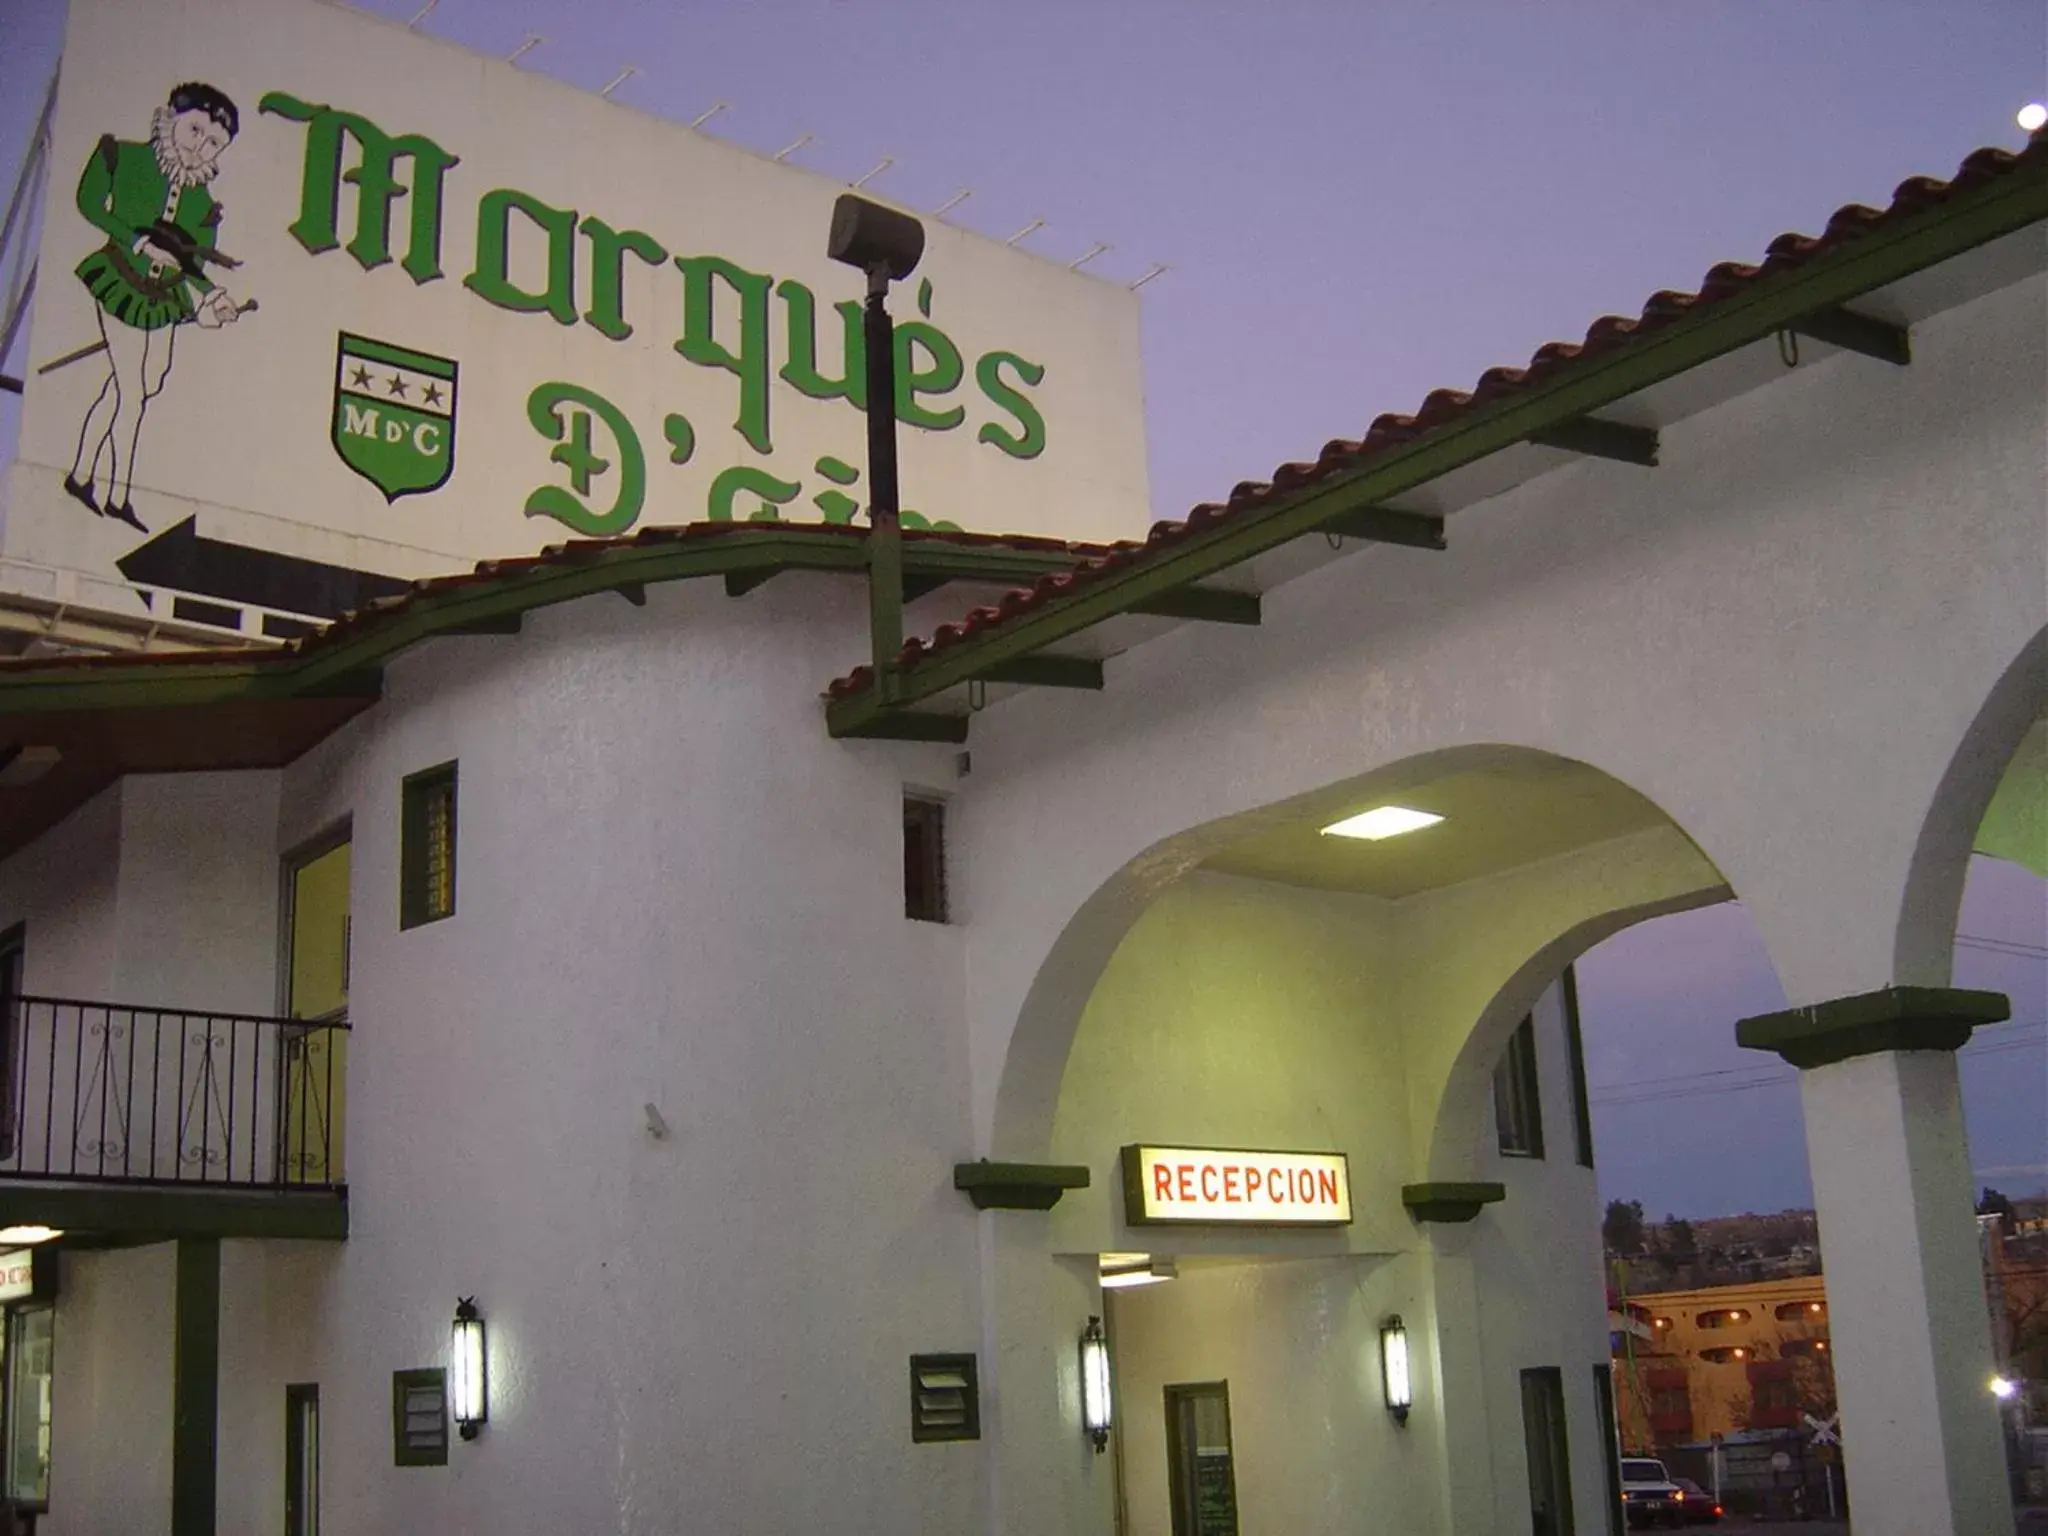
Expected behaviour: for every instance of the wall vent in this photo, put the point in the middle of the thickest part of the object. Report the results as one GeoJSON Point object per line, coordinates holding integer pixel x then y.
{"type": "Point", "coordinates": [945, 1398]}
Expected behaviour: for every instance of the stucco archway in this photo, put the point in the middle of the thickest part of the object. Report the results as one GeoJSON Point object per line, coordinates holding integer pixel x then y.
{"type": "Point", "coordinates": [1611, 859]}
{"type": "Point", "coordinates": [1982, 768]}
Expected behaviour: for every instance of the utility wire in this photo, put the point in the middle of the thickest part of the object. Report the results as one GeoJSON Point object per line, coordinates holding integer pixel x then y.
{"type": "Point", "coordinates": [1691, 1085]}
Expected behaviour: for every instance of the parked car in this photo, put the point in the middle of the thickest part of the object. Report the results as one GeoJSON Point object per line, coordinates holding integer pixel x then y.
{"type": "Point", "coordinates": [1701, 1507]}
{"type": "Point", "coordinates": [1648, 1495]}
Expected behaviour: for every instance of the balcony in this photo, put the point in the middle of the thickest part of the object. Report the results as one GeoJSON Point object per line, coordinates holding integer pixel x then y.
{"type": "Point", "coordinates": [126, 1122]}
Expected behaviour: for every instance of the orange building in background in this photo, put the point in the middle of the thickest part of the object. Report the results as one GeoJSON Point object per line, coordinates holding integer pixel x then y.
{"type": "Point", "coordinates": [1689, 1365]}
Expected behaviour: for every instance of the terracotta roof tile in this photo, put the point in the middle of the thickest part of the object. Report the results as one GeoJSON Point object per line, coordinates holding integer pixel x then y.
{"type": "Point", "coordinates": [1722, 281]}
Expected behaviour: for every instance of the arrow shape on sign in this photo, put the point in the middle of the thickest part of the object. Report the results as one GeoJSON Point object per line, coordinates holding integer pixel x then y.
{"type": "Point", "coordinates": [179, 558]}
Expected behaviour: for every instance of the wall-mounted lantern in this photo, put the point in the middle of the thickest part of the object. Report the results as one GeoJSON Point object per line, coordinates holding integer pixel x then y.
{"type": "Point", "coordinates": [1394, 1368]}
{"type": "Point", "coordinates": [1095, 1402]}
{"type": "Point", "coordinates": [469, 1387]}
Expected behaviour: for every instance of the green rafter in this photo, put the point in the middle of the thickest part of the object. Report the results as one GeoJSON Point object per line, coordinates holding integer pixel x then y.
{"type": "Point", "coordinates": [352, 662]}
{"type": "Point", "coordinates": [1904, 245]}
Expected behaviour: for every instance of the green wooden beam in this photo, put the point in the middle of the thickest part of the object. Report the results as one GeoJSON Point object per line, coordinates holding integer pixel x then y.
{"type": "Point", "coordinates": [1759, 311]}
{"type": "Point", "coordinates": [1891, 1019]}
{"type": "Point", "coordinates": [635, 592]}
{"type": "Point", "coordinates": [915, 587]}
{"type": "Point", "coordinates": [1211, 605]}
{"type": "Point", "coordinates": [1852, 332]}
{"type": "Point", "coordinates": [1017, 1186]}
{"type": "Point", "coordinates": [1450, 1202]}
{"type": "Point", "coordinates": [913, 725]}
{"type": "Point", "coordinates": [1599, 439]}
{"type": "Point", "coordinates": [122, 1214]}
{"type": "Point", "coordinates": [497, 624]}
{"type": "Point", "coordinates": [740, 583]}
{"type": "Point", "coordinates": [1043, 671]}
{"type": "Point", "coordinates": [1383, 525]}
{"type": "Point", "coordinates": [195, 1386]}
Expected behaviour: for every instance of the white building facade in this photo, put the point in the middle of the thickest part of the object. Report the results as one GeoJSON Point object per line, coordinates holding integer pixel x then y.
{"type": "Point", "coordinates": [612, 1017]}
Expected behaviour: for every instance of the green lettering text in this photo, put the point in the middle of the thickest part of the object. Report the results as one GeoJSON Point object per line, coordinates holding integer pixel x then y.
{"type": "Point", "coordinates": [1029, 441]}
{"type": "Point", "coordinates": [492, 279]}
{"type": "Point", "coordinates": [375, 179]}
{"type": "Point", "coordinates": [608, 248]}
{"type": "Point", "coordinates": [700, 344]}
{"type": "Point", "coordinates": [801, 371]}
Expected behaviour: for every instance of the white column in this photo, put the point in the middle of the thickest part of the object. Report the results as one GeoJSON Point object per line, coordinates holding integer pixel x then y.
{"type": "Point", "coordinates": [1911, 1334]}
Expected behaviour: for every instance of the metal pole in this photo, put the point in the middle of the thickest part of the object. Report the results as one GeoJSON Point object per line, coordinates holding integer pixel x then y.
{"type": "Point", "coordinates": [885, 530]}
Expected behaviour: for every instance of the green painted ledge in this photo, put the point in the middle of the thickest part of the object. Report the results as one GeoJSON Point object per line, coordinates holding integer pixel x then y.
{"type": "Point", "coordinates": [1450, 1202]}
{"type": "Point", "coordinates": [1892, 1019]}
{"type": "Point", "coordinates": [1017, 1186]}
{"type": "Point", "coordinates": [99, 1215]}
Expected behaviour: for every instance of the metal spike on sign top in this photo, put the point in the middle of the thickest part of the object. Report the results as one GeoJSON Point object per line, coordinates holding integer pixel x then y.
{"type": "Point", "coordinates": [626, 73]}
{"type": "Point", "coordinates": [1157, 268]}
{"type": "Point", "coordinates": [881, 165]}
{"type": "Point", "coordinates": [531, 41]}
{"type": "Point", "coordinates": [792, 147]}
{"type": "Point", "coordinates": [709, 113]}
{"type": "Point", "coordinates": [421, 14]}
{"type": "Point", "coordinates": [952, 202]}
{"type": "Point", "coordinates": [1032, 228]}
{"type": "Point", "coordinates": [1089, 255]}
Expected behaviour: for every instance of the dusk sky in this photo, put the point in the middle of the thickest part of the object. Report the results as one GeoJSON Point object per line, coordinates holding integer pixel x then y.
{"type": "Point", "coordinates": [1360, 202]}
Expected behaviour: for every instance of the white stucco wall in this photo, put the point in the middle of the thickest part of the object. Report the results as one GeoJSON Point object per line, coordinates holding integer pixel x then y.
{"type": "Point", "coordinates": [63, 889]}
{"type": "Point", "coordinates": [719, 1321]}
{"type": "Point", "coordinates": [110, 1394]}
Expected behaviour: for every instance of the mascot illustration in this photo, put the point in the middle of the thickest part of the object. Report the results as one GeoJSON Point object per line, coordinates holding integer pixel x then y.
{"type": "Point", "coordinates": [149, 279]}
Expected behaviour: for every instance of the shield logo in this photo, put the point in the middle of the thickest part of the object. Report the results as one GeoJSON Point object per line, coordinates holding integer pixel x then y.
{"type": "Point", "coordinates": [394, 415]}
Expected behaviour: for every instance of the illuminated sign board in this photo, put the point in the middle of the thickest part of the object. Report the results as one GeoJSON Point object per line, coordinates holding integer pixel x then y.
{"type": "Point", "coordinates": [17, 1274]}
{"type": "Point", "coordinates": [1210, 1186]}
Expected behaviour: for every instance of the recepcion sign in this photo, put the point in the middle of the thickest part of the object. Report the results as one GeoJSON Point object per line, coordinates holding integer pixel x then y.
{"type": "Point", "coordinates": [1212, 1186]}
{"type": "Point", "coordinates": [17, 1274]}
{"type": "Point", "coordinates": [327, 305]}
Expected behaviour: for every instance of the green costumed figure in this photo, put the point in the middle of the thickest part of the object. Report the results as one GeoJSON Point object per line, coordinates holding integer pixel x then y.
{"type": "Point", "coordinates": [150, 277]}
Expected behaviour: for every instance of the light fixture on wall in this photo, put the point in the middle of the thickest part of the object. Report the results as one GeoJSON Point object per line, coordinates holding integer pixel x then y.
{"type": "Point", "coordinates": [469, 1386]}
{"type": "Point", "coordinates": [1095, 1398]}
{"type": "Point", "coordinates": [24, 1236]}
{"type": "Point", "coordinates": [1394, 1368]}
{"type": "Point", "coordinates": [2004, 1388]}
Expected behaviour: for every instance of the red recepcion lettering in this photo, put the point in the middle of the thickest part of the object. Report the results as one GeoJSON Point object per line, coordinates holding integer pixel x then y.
{"type": "Point", "coordinates": [1233, 1176]}
{"type": "Point", "coordinates": [1326, 1185]}
{"type": "Point", "coordinates": [1162, 1182]}
{"type": "Point", "coordinates": [1186, 1179]}
{"type": "Point", "coordinates": [1209, 1183]}
{"type": "Point", "coordinates": [1252, 1180]}
{"type": "Point", "coordinates": [1276, 1190]}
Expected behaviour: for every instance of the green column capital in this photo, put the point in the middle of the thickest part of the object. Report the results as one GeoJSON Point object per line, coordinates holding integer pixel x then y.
{"type": "Point", "coordinates": [1890, 1019]}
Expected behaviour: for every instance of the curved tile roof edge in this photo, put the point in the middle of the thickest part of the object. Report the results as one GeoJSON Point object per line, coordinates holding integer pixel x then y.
{"type": "Point", "coordinates": [569, 553]}
{"type": "Point", "coordinates": [1723, 280]}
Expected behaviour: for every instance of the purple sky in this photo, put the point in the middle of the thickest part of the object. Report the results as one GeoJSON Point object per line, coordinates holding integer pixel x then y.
{"type": "Point", "coordinates": [1687, 1122]}
{"type": "Point", "coordinates": [1361, 202]}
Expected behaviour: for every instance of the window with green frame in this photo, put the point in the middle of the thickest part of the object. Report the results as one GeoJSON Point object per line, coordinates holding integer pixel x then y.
{"type": "Point", "coordinates": [1517, 1099]}
{"type": "Point", "coordinates": [426, 847]}
{"type": "Point", "coordinates": [1575, 1050]}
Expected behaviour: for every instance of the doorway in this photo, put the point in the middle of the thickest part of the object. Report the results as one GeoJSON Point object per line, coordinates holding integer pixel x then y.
{"type": "Point", "coordinates": [1550, 1463]}
{"type": "Point", "coordinates": [1201, 1481]}
{"type": "Point", "coordinates": [315, 1061]}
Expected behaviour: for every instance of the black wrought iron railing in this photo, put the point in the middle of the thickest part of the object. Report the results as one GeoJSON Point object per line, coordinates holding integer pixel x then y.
{"type": "Point", "coordinates": [118, 1094]}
